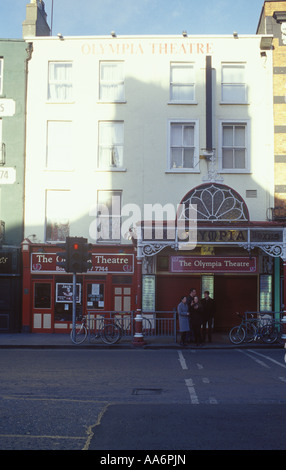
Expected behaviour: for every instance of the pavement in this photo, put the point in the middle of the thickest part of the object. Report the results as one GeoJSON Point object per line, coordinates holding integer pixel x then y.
{"type": "Point", "coordinates": [58, 340]}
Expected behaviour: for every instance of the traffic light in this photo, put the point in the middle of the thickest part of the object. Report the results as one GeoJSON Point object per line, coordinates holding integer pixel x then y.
{"type": "Point", "coordinates": [79, 254]}
{"type": "Point", "coordinates": [76, 257]}
{"type": "Point", "coordinates": [86, 256]}
{"type": "Point", "coordinates": [63, 257]}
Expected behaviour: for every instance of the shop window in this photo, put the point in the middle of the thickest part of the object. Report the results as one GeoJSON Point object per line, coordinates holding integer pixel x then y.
{"type": "Point", "coordinates": [208, 284]}
{"type": "Point", "coordinates": [95, 296]}
{"type": "Point", "coordinates": [42, 295]}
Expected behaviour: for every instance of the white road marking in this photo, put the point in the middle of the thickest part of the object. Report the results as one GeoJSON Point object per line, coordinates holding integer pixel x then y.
{"type": "Point", "coordinates": [182, 361]}
{"type": "Point", "coordinates": [261, 363]}
{"type": "Point", "coordinates": [192, 392]}
{"type": "Point", "coordinates": [269, 359]}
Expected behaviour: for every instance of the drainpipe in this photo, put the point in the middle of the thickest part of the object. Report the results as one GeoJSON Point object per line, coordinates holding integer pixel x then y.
{"type": "Point", "coordinates": [209, 112]}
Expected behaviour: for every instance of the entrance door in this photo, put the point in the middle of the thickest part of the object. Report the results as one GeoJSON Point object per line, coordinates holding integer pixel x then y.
{"type": "Point", "coordinates": [233, 294]}
{"type": "Point", "coordinates": [43, 301]}
{"type": "Point", "coordinates": [170, 289]}
{"type": "Point", "coordinates": [10, 290]}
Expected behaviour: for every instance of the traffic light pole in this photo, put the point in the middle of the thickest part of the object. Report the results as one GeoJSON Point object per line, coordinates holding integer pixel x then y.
{"type": "Point", "coordinates": [73, 305]}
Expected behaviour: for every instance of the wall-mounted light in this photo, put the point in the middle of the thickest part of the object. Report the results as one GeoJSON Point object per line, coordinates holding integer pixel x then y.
{"type": "Point", "coordinates": [113, 34]}
{"type": "Point", "coordinates": [235, 34]}
{"type": "Point", "coordinates": [60, 36]}
{"type": "Point", "coordinates": [185, 34]}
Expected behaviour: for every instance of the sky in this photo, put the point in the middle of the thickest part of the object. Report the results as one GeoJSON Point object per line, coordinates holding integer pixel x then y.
{"type": "Point", "coordinates": [136, 17]}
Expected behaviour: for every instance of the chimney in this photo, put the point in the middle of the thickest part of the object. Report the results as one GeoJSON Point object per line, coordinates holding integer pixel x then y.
{"type": "Point", "coordinates": [35, 23]}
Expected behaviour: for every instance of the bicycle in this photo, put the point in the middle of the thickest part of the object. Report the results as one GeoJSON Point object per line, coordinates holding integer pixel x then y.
{"type": "Point", "coordinates": [126, 323]}
{"type": "Point", "coordinates": [237, 333]}
{"type": "Point", "coordinates": [109, 333]}
{"type": "Point", "coordinates": [109, 330]}
{"type": "Point", "coordinates": [254, 329]}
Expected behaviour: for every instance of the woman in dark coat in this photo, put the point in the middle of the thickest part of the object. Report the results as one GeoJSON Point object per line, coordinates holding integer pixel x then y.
{"type": "Point", "coordinates": [183, 313]}
{"type": "Point", "coordinates": [196, 312]}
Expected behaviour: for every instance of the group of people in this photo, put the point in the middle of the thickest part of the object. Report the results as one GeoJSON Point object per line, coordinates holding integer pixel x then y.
{"type": "Point", "coordinates": [194, 316]}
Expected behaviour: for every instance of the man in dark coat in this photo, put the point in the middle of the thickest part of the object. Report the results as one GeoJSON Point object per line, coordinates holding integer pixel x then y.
{"type": "Point", "coordinates": [190, 303]}
{"type": "Point", "coordinates": [208, 314]}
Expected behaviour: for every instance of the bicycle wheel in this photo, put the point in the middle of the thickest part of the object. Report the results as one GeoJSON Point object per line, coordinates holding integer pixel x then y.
{"type": "Point", "coordinates": [237, 334]}
{"type": "Point", "coordinates": [111, 334]}
{"type": "Point", "coordinates": [269, 334]}
{"type": "Point", "coordinates": [80, 334]}
{"type": "Point", "coordinates": [146, 326]}
{"type": "Point", "coordinates": [250, 332]}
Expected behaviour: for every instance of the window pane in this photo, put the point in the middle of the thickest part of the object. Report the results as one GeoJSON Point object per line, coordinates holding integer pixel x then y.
{"type": "Point", "coordinates": [227, 136]}
{"type": "Point", "coordinates": [233, 74]}
{"type": "Point", "coordinates": [176, 135]}
{"type": "Point", "coordinates": [111, 135]}
{"type": "Point", "coordinates": [176, 158]}
{"type": "Point", "coordinates": [60, 81]}
{"type": "Point", "coordinates": [227, 159]}
{"type": "Point", "coordinates": [182, 82]}
{"type": "Point", "coordinates": [112, 81]}
{"type": "Point", "coordinates": [188, 158]}
{"type": "Point", "coordinates": [239, 159]}
{"type": "Point", "coordinates": [188, 136]}
{"type": "Point", "coordinates": [59, 145]}
{"type": "Point", "coordinates": [42, 295]}
{"type": "Point", "coordinates": [239, 136]}
{"type": "Point", "coordinates": [109, 208]}
{"type": "Point", "coordinates": [57, 215]}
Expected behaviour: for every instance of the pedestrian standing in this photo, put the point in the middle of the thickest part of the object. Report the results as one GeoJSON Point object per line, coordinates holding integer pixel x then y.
{"type": "Point", "coordinates": [190, 302]}
{"type": "Point", "coordinates": [197, 319]}
{"type": "Point", "coordinates": [208, 315]}
{"type": "Point", "coordinates": [183, 313]}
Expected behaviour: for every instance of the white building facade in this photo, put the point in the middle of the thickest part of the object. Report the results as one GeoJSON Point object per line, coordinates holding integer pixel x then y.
{"type": "Point", "coordinates": [130, 127]}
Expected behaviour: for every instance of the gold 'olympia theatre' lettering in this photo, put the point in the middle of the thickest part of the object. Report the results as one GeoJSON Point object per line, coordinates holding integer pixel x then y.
{"type": "Point", "coordinates": [139, 48]}
{"type": "Point", "coordinates": [222, 236]}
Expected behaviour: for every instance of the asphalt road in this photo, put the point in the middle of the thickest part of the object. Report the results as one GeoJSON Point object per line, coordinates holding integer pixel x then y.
{"type": "Point", "coordinates": [142, 400]}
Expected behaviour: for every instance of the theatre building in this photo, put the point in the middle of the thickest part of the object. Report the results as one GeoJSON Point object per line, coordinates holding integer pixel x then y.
{"type": "Point", "coordinates": [117, 125]}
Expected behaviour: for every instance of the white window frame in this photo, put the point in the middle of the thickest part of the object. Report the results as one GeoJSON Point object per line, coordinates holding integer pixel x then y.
{"type": "Point", "coordinates": [1, 74]}
{"type": "Point", "coordinates": [109, 216]}
{"type": "Point", "coordinates": [182, 122]}
{"type": "Point", "coordinates": [112, 83]}
{"type": "Point", "coordinates": [235, 122]}
{"type": "Point", "coordinates": [63, 216]}
{"type": "Point", "coordinates": [112, 146]}
{"type": "Point", "coordinates": [55, 162]}
{"type": "Point", "coordinates": [234, 83]}
{"type": "Point", "coordinates": [66, 97]}
{"type": "Point", "coordinates": [191, 85]}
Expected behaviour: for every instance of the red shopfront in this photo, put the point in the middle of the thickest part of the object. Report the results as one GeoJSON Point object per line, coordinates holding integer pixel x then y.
{"type": "Point", "coordinates": [109, 285]}
{"type": "Point", "coordinates": [233, 281]}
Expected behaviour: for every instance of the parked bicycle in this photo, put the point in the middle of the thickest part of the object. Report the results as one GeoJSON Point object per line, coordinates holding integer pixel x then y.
{"type": "Point", "coordinates": [109, 333]}
{"type": "Point", "coordinates": [254, 329]}
{"type": "Point", "coordinates": [109, 330]}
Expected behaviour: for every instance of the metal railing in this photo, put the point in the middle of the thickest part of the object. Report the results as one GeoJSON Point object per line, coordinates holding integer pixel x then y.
{"type": "Point", "coordinates": [160, 323]}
